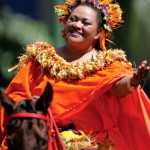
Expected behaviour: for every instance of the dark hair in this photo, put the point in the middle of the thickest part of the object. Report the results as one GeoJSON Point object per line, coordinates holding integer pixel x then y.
{"type": "Point", "coordinates": [100, 23]}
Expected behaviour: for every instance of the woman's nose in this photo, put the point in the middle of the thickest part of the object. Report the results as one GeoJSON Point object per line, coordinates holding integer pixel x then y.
{"type": "Point", "coordinates": [78, 24]}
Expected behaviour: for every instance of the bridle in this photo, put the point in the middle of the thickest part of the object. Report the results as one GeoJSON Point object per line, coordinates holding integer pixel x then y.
{"type": "Point", "coordinates": [52, 131]}
{"type": "Point", "coordinates": [27, 115]}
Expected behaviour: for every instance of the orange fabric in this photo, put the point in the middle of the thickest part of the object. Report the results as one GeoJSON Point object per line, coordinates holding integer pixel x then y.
{"type": "Point", "coordinates": [102, 40]}
{"type": "Point", "coordinates": [89, 105]}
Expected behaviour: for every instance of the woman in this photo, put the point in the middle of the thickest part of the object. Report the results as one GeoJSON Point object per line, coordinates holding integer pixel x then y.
{"type": "Point", "coordinates": [96, 91]}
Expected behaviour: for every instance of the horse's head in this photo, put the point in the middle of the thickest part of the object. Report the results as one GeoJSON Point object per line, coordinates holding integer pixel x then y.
{"type": "Point", "coordinates": [27, 133]}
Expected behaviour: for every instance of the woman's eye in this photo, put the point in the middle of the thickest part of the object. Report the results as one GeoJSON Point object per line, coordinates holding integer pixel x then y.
{"type": "Point", "coordinates": [72, 19]}
{"type": "Point", "coordinates": [86, 23]}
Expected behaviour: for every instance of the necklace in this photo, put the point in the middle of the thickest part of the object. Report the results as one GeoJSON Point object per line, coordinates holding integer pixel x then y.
{"type": "Point", "coordinates": [60, 69]}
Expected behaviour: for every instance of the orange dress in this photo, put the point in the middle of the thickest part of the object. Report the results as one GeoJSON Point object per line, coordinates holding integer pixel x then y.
{"type": "Point", "coordinates": [89, 106]}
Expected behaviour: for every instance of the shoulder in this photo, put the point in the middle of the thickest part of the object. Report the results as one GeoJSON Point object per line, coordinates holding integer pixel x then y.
{"type": "Point", "coordinates": [117, 55]}
{"type": "Point", "coordinates": [34, 48]}
{"type": "Point", "coordinates": [32, 52]}
{"type": "Point", "coordinates": [114, 54]}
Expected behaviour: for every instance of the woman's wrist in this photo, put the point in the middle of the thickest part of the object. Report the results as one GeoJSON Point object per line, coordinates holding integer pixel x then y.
{"type": "Point", "coordinates": [132, 87]}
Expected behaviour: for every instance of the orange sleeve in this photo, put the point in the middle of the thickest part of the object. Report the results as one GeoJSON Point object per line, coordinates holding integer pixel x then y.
{"type": "Point", "coordinates": [26, 80]}
{"type": "Point", "coordinates": [83, 92]}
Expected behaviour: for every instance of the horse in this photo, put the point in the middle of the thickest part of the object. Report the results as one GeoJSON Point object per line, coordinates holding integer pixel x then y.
{"type": "Point", "coordinates": [31, 125]}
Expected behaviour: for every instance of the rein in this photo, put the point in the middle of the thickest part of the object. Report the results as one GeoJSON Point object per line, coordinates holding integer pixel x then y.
{"type": "Point", "coordinates": [53, 131]}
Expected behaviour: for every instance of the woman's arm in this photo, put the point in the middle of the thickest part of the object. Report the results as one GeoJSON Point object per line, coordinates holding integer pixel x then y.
{"type": "Point", "coordinates": [130, 83]}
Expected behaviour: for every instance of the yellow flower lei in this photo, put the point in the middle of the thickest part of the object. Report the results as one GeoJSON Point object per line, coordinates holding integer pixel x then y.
{"type": "Point", "coordinates": [80, 141]}
{"type": "Point", "coordinates": [60, 69]}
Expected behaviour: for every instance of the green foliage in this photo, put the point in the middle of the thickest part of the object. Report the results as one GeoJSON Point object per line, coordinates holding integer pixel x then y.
{"type": "Point", "coordinates": [16, 31]}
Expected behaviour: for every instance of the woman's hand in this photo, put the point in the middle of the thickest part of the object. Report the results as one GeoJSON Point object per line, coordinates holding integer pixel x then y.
{"type": "Point", "coordinates": [140, 74]}
{"type": "Point", "coordinates": [129, 83]}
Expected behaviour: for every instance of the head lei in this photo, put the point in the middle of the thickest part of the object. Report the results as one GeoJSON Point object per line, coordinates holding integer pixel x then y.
{"type": "Point", "coordinates": [111, 11]}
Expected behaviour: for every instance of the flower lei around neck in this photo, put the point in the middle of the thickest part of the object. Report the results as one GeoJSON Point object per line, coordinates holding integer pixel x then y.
{"type": "Point", "coordinates": [58, 68]}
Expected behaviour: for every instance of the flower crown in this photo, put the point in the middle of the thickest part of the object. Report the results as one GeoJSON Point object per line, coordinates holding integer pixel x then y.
{"type": "Point", "coordinates": [111, 11]}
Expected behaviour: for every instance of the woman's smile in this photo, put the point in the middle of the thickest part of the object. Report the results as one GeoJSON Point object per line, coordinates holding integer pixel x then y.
{"type": "Point", "coordinates": [82, 26]}
{"type": "Point", "coordinates": [75, 33]}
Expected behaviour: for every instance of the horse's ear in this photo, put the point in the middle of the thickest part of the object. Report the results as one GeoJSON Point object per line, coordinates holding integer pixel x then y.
{"type": "Point", "coordinates": [45, 99]}
{"type": "Point", "coordinates": [7, 102]}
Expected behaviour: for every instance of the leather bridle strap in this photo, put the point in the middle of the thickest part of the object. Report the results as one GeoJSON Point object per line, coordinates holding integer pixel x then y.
{"type": "Point", "coordinates": [28, 115]}
{"type": "Point", "coordinates": [53, 127]}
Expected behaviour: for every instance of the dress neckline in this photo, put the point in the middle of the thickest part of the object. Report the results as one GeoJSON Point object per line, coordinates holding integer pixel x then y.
{"type": "Point", "coordinates": [60, 69]}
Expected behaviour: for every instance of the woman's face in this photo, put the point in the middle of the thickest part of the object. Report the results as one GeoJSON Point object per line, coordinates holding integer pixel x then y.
{"type": "Point", "coordinates": [82, 26]}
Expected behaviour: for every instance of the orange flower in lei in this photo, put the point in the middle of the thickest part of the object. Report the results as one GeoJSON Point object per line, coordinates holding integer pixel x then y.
{"type": "Point", "coordinates": [60, 69]}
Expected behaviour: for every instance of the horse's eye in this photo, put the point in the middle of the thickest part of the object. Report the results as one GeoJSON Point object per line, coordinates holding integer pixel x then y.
{"type": "Point", "coordinates": [13, 124]}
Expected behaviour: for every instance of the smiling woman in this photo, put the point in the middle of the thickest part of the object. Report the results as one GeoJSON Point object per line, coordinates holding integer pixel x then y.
{"type": "Point", "coordinates": [82, 29]}
{"type": "Point", "coordinates": [98, 98]}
